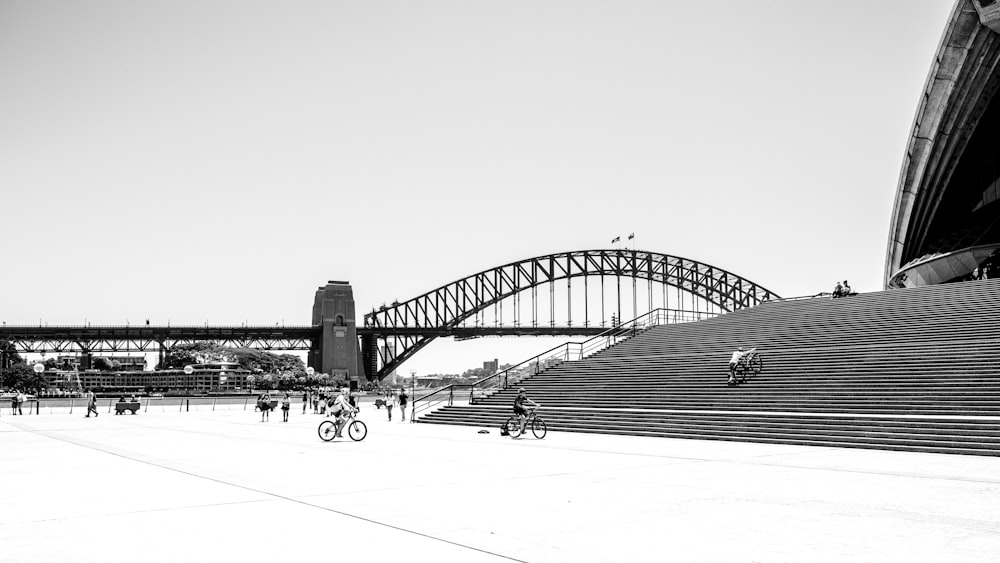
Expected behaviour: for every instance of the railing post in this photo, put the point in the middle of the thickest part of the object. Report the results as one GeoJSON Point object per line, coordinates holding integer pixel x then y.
{"type": "Point", "coordinates": [213, 403]}
{"type": "Point", "coordinates": [451, 396]}
{"type": "Point", "coordinates": [71, 401]}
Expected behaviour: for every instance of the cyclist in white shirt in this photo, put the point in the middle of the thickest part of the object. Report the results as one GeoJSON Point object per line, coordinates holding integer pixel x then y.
{"type": "Point", "coordinates": [341, 408]}
{"type": "Point", "coordinates": [733, 361]}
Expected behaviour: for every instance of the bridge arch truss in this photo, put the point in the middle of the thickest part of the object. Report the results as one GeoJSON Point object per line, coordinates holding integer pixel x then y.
{"type": "Point", "coordinates": [392, 334]}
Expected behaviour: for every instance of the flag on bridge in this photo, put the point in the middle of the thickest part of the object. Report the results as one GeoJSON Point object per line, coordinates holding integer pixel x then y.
{"type": "Point", "coordinates": [616, 239]}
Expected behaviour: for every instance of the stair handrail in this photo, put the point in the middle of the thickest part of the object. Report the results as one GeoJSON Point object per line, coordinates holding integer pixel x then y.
{"type": "Point", "coordinates": [429, 404]}
{"type": "Point", "coordinates": [574, 351]}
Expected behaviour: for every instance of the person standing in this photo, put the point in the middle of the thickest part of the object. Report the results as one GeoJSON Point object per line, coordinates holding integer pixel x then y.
{"type": "Point", "coordinates": [305, 401]}
{"type": "Point", "coordinates": [403, 398]}
{"type": "Point", "coordinates": [265, 406]}
{"type": "Point", "coordinates": [91, 403]}
{"type": "Point", "coordinates": [13, 403]}
{"type": "Point", "coordinates": [21, 399]}
{"type": "Point", "coordinates": [286, 404]}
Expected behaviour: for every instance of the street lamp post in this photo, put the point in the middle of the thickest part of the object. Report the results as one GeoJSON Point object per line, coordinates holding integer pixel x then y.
{"type": "Point", "coordinates": [39, 369]}
{"type": "Point", "coordinates": [413, 392]}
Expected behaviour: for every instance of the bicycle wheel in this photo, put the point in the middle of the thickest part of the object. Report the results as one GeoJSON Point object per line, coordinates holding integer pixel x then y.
{"type": "Point", "coordinates": [538, 428]}
{"type": "Point", "coordinates": [756, 364]}
{"type": "Point", "coordinates": [513, 426]}
{"type": "Point", "coordinates": [357, 430]}
{"type": "Point", "coordinates": [327, 430]}
{"type": "Point", "coordinates": [741, 373]}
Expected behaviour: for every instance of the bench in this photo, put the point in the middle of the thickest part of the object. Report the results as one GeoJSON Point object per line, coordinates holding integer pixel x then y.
{"type": "Point", "coordinates": [122, 406]}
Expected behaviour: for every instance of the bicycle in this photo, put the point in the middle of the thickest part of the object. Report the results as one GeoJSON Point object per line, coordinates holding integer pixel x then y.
{"type": "Point", "coordinates": [356, 429]}
{"type": "Point", "coordinates": [749, 366]}
{"type": "Point", "coordinates": [538, 428]}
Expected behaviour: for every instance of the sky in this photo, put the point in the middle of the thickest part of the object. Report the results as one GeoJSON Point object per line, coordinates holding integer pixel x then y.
{"type": "Point", "coordinates": [215, 162]}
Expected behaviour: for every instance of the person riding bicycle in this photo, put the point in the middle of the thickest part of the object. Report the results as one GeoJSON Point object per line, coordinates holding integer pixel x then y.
{"type": "Point", "coordinates": [521, 405]}
{"type": "Point", "coordinates": [733, 362]}
{"type": "Point", "coordinates": [341, 409]}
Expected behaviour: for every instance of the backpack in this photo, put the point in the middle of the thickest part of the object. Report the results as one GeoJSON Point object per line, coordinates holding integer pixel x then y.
{"type": "Point", "coordinates": [503, 429]}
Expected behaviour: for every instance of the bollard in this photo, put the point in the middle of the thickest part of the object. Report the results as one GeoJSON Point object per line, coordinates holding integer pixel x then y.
{"type": "Point", "coordinates": [111, 403]}
{"type": "Point", "coordinates": [216, 400]}
{"type": "Point", "coordinates": [147, 405]}
{"type": "Point", "coordinates": [71, 401]}
{"type": "Point", "coordinates": [245, 401]}
{"type": "Point", "coordinates": [187, 403]}
{"type": "Point", "coordinates": [38, 407]}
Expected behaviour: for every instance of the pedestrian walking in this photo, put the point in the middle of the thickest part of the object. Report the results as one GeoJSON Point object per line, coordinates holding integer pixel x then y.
{"type": "Point", "coordinates": [286, 403]}
{"type": "Point", "coordinates": [21, 398]}
{"type": "Point", "coordinates": [13, 403]}
{"type": "Point", "coordinates": [390, 401]}
{"type": "Point", "coordinates": [402, 404]}
{"type": "Point", "coordinates": [91, 403]}
{"type": "Point", "coordinates": [305, 401]}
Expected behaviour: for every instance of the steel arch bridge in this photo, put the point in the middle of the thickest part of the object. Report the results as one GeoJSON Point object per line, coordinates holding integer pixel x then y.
{"type": "Point", "coordinates": [392, 334]}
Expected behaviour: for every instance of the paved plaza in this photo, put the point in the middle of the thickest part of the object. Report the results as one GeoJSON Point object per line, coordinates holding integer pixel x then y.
{"type": "Point", "coordinates": [222, 486]}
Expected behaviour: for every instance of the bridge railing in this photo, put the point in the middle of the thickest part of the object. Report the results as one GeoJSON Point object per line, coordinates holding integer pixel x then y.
{"type": "Point", "coordinates": [574, 351]}
{"type": "Point", "coordinates": [822, 294]}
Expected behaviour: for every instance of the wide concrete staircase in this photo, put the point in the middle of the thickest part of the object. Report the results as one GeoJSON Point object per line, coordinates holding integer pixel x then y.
{"type": "Point", "coordinates": [912, 369]}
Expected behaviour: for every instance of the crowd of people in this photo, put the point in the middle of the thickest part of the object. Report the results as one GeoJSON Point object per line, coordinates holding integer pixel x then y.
{"type": "Point", "coordinates": [332, 403]}
{"type": "Point", "coordinates": [327, 402]}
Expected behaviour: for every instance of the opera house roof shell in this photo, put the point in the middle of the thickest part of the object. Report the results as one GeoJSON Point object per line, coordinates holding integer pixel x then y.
{"type": "Point", "coordinates": [946, 218]}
